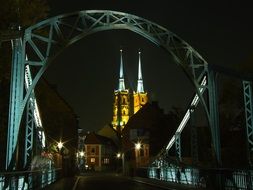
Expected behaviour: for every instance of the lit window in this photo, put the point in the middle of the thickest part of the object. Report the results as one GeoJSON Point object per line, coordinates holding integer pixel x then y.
{"type": "Point", "coordinates": [92, 160]}
{"type": "Point", "coordinates": [106, 160]}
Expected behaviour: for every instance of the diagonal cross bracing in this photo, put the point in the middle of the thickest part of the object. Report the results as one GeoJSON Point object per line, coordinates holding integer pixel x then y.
{"type": "Point", "coordinates": [34, 105]}
{"type": "Point", "coordinates": [65, 30]}
{"type": "Point", "coordinates": [186, 117]}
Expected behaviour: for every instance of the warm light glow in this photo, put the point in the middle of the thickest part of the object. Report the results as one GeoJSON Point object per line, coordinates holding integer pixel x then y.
{"type": "Point", "coordinates": [118, 155]}
{"type": "Point", "coordinates": [138, 146]}
{"type": "Point", "coordinates": [81, 154]}
{"type": "Point", "coordinates": [92, 160]}
{"type": "Point", "coordinates": [60, 145]}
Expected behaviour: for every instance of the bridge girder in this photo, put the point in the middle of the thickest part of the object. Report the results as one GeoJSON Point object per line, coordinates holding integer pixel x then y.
{"type": "Point", "coordinates": [45, 40]}
{"type": "Point", "coordinates": [247, 88]}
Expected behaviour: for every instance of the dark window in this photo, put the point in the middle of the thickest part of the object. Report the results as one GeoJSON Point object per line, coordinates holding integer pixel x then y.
{"type": "Point", "coordinates": [93, 150]}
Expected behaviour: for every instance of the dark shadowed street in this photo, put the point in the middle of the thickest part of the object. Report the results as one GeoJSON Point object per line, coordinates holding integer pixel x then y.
{"type": "Point", "coordinates": [99, 181]}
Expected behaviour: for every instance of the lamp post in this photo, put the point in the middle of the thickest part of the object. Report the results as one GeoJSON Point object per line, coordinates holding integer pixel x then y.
{"type": "Point", "coordinates": [81, 160]}
{"type": "Point", "coordinates": [137, 146]}
{"type": "Point", "coordinates": [60, 146]}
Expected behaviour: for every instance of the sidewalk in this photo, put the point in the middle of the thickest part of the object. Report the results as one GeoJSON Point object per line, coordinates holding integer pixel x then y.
{"type": "Point", "coordinates": [164, 184]}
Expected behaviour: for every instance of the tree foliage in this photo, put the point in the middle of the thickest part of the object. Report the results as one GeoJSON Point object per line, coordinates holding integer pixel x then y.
{"type": "Point", "coordinates": [22, 12]}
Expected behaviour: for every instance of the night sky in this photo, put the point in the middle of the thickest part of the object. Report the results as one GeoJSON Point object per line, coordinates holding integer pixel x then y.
{"type": "Point", "coordinates": [86, 74]}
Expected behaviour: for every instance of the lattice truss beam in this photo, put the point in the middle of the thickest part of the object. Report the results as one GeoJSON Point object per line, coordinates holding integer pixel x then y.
{"type": "Point", "coordinates": [247, 87]}
{"type": "Point", "coordinates": [32, 119]}
{"type": "Point", "coordinates": [21, 78]}
{"type": "Point", "coordinates": [45, 40]}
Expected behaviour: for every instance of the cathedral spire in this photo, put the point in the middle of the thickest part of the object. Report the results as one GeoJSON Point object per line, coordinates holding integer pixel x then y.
{"type": "Point", "coordinates": [140, 88]}
{"type": "Point", "coordinates": [121, 74]}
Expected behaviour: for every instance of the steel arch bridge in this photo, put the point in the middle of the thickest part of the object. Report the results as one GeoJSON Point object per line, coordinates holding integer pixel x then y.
{"type": "Point", "coordinates": [42, 42]}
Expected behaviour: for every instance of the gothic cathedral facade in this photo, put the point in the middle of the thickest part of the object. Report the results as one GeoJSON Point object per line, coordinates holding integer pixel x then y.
{"type": "Point", "coordinates": [125, 105]}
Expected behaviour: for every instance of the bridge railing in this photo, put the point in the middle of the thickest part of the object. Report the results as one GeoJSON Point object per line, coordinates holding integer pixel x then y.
{"type": "Point", "coordinates": [204, 178]}
{"type": "Point", "coordinates": [29, 179]}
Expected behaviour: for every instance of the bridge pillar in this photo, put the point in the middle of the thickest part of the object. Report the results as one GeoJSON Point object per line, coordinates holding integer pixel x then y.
{"type": "Point", "coordinates": [247, 89]}
{"type": "Point", "coordinates": [214, 115]}
{"type": "Point", "coordinates": [16, 97]}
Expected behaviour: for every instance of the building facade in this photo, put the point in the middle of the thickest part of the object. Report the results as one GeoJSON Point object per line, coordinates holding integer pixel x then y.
{"type": "Point", "coordinates": [99, 152]}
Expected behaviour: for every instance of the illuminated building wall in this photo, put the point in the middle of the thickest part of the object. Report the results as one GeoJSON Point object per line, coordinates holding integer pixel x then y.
{"type": "Point", "coordinates": [121, 109]}
{"type": "Point", "coordinates": [140, 99]}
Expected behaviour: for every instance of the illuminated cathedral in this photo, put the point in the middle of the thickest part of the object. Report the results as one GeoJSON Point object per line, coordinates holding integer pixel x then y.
{"type": "Point", "coordinates": [125, 103]}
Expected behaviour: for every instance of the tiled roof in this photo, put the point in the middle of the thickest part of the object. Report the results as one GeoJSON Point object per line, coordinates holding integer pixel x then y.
{"type": "Point", "coordinates": [93, 138]}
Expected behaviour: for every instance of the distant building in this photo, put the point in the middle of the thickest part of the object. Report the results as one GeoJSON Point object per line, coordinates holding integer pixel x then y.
{"type": "Point", "coordinates": [109, 132]}
{"type": "Point", "coordinates": [152, 129]}
{"type": "Point", "coordinates": [123, 107]}
{"type": "Point", "coordinates": [99, 151]}
{"type": "Point", "coordinates": [121, 103]}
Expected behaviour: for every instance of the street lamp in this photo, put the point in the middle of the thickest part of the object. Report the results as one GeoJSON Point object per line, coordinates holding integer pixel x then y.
{"type": "Point", "coordinates": [137, 146]}
{"type": "Point", "coordinates": [81, 160]}
{"type": "Point", "coordinates": [118, 155]}
{"type": "Point", "coordinates": [59, 155]}
{"type": "Point", "coordinates": [81, 154]}
{"type": "Point", "coordinates": [60, 145]}
{"type": "Point", "coordinates": [137, 153]}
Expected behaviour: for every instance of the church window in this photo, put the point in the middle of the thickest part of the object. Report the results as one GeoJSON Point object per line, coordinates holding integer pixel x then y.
{"type": "Point", "coordinates": [123, 100]}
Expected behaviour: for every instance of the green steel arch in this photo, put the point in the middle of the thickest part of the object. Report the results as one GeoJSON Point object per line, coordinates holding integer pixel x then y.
{"type": "Point", "coordinates": [45, 40]}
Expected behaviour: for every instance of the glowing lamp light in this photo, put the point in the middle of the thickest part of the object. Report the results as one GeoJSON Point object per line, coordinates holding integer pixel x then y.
{"type": "Point", "coordinates": [60, 145]}
{"type": "Point", "coordinates": [138, 146]}
{"type": "Point", "coordinates": [118, 155]}
{"type": "Point", "coordinates": [81, 154]}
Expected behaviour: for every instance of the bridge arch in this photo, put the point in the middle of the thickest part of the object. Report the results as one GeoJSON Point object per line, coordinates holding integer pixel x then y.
{"type": "Point", "coordinates": [64, 30]}
{"type": "Point", "coordinates": [45, 40]}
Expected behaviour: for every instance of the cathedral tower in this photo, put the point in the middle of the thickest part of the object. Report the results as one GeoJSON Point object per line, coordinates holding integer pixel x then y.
{"type": "Point", "coordinates": [121, 104]}
{"type": "Point", "coordinates": [140, 96]}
